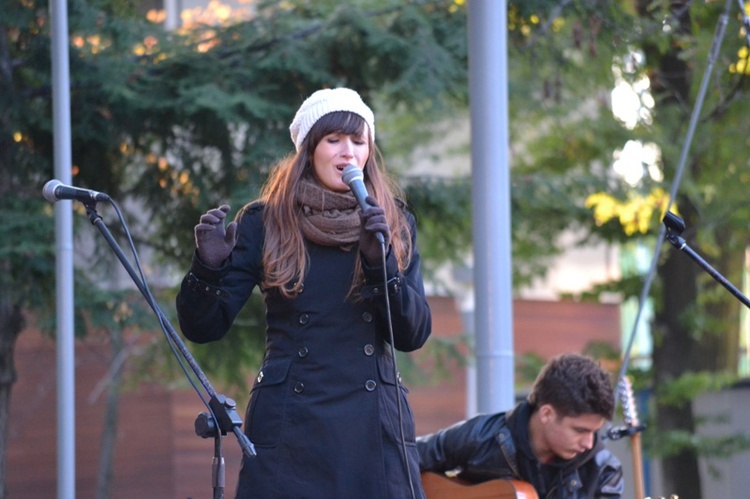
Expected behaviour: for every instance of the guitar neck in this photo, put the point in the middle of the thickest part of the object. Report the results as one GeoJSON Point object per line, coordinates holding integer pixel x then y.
{"type": "Point", "coordinates": [630, 413]}
{"type": "Point", "coordinates": [635, 448]}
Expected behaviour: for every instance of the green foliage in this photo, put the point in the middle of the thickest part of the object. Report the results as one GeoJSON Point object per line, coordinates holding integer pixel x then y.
{"type": "Point", "coordinates": [601, 351]}
{"type": "Point", "coordinates": [527, 369]}
{"type": "Point", "coordinates": [561, 74]}
{"type": "Point", "coordinates": [640, 379]}
{"type": "Point", "coordinates": [179, 122]}
{"type": "Point", "coordinates": [689, 385]}
{"type": "Point", "coordinates": [543, 206]}
{"type": "Point", "coordinates": [675, 442]}
{"type": "Point", "coordinates": [436, 361]}
{"type": "Point", "coordinates": [26, 250]}
{"type": "Point", "coordinates": [203, 125]}
{"type": "Point", "coordinates": [441, 208]}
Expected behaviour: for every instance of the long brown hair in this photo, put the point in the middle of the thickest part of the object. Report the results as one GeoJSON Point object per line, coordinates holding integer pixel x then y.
{"type": "Point", "coordinates": [285, 258]}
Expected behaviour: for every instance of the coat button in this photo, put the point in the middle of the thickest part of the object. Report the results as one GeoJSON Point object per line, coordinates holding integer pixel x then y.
{"type": "Point", "coordinates": [369, 350]}
{"type": "Point", "coordinates": [299, 387]}
{"type": "Point", "coordinates": [370, 385]}
{"type": "Point", "coordinates": [304, 319]}
{"type": "Point", "coordinates": [367, 317]}
{"type": "Point", "coordinates": [302, 352]}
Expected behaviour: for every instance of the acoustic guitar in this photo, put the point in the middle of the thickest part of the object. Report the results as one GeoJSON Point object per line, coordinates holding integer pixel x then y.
{"type": "Point", "coordinates": [438, 486]}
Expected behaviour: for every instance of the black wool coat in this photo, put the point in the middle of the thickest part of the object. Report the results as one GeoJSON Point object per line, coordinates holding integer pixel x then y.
{"type": "Point", "coordinates": [326, 409]}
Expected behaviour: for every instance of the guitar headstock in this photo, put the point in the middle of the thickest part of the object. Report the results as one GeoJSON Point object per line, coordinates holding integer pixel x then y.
{"type": "Point", "coordinates": [629, 408]}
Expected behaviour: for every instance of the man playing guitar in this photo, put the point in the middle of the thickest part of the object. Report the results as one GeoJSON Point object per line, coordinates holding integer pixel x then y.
{"type": "Point", "coordinates": [549, 440]}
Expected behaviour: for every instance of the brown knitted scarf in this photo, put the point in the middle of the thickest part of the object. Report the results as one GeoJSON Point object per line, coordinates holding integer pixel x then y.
{"type": "Point", "coordinates": [328, 218]}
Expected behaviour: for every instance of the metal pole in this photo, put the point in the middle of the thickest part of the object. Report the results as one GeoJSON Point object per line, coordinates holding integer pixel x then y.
{"type": "Point", "coordinates": [64, 254]}
{"type": "Point", "coordinates": [488, 93]}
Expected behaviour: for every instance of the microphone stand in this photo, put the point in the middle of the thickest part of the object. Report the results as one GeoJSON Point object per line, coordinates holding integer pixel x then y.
{"type": "Point", "coordinates": [224, 417]}
{"type": "Point", "coordinates": [675, 226]}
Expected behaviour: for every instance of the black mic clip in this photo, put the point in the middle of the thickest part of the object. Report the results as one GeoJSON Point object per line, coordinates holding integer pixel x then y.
{"type": "Point", "coordinates": [675, 227]}
{"type": "Point", "coordinates": [617, 432]}
{"type": "Point", "coordinates": [674, 223]}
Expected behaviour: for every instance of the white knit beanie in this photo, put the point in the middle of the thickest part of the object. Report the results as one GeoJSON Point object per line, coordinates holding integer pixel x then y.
{"type": "Point", "coordinates": [326, 101]}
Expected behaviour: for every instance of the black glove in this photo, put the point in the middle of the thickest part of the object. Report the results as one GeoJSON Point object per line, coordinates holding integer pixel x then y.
{"type": "Point", "coordinates": [213, 241]}
{"type": "Point", "coordinates": [373, 222]}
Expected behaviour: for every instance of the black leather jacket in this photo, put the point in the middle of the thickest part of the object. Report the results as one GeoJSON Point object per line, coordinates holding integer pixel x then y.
{"type": "Point", "coordinates": [497, 446]}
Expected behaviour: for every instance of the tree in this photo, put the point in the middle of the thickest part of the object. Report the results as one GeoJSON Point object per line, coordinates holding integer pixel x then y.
{"type": "Point", "coordinates": [180, 121]}
{"type": "Point", "coordinates": [665, 44]}
{"type": "Point", "coordinates": [26, 254]}
{"type": "Point", "coordinates": [689, 335]}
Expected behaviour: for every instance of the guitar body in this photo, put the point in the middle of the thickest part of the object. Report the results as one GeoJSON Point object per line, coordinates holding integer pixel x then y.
{"type": "Point", "coordinates": [437, 486]}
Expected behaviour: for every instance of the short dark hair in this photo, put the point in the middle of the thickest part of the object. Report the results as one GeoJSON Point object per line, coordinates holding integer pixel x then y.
{"type": "Point", "coordinates": [574, 385]}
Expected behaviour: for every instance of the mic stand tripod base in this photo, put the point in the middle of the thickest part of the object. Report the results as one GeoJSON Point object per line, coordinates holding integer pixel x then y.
{"type": "Point", "coordinates": [218, 470]}
{"type": "Point", "coordinates": [223, 419]}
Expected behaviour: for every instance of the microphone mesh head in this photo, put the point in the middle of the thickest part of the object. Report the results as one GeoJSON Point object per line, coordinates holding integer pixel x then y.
{"type": "Point", "coordinates": [351, 173]}
{"type": "Point", "coordinates": [49, 190]}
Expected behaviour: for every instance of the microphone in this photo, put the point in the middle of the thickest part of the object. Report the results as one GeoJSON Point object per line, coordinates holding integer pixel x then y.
{"type": "Point", "coordinates": [354, 177]}
{"type": "Point", "coordinates": [55, 191]}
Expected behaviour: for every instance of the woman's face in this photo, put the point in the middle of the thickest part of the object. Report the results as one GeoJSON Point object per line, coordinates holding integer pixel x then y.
{"type": "Point", "coordinates": [334, 152]}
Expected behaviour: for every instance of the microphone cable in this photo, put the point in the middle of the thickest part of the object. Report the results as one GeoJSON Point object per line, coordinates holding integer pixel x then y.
{"type": "Point", "coordinates": [353, 177]}
{"type": "Point", "coordinates": [396, 375]}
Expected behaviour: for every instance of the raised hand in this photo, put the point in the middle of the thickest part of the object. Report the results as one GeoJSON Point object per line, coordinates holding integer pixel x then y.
{"type": "Point", "coordinates": [213, 241]}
